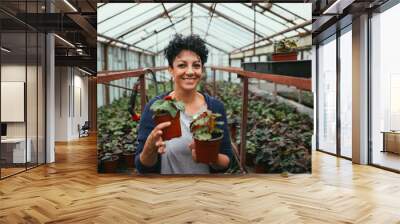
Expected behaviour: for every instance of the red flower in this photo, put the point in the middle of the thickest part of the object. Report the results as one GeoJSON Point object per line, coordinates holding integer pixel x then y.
{"type": "Point", "coordinates": [168, 97]}
{"type": "Point", "coordinates": [204, 114]}
{"type": "Point", "coordinates": [135, 117]}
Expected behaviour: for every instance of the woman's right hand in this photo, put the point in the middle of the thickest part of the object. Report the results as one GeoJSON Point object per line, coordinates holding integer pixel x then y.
{"type": "Point", "coordinates": [154, 140]}
{"type": "Point", "coordinates": [154, 144]}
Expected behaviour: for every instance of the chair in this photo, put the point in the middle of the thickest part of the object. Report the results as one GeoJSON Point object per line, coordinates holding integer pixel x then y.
{"type": "Point", "coordinates": [84, 130]}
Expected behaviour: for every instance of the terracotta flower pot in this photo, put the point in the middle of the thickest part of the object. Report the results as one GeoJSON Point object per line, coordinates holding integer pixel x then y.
{"type": "Point", "coordinates": [291, 56]}
{"type": "Point", "coordinates": [259, 168]}
{"type": "Point", "coordinates": [174, 130]}
{"type": "Point", "coordinates": [110, 166]}
{"type": "Point", "coordinates": [129, 159]}
{"type": "Point", "coordinates": [207, 151]}
{"type": "Point", "coordinates": [250, 159]}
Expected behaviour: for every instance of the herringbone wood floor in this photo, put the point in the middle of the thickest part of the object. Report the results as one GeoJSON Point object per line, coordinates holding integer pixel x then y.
{"type": "Point", "coordinates": [70, 191]}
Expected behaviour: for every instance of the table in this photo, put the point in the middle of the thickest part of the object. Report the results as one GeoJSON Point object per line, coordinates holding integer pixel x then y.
{"type": "Point", "coordinates": [16, 147]}
{"type": "Point", "coordinates": [391, 141]}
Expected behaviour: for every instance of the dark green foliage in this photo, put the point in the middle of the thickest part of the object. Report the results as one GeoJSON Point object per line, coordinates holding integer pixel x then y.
{"type": "Point", "coordinates": [277, 135]}
{"type": "Point", "coordinates": [307, 98]}
{"type": "Point", "coordinates": [205, 126]}
{"type": "Point", "coordinates": [167, 105]}
{"type": "Point", "coordinates": [286, 45]}
{"type": "Point", "coordinates": [116, 130]}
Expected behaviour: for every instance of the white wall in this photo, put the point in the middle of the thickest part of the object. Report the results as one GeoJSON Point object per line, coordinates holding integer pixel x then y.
{"type": "Point", "coordinates": [71, 102]}
{"type": "Point", "coordinates": [15, 73]}
{"type": "Point", "coordinates": [62, 81]}
{"type": "Point", "coordinates": [33, 126]}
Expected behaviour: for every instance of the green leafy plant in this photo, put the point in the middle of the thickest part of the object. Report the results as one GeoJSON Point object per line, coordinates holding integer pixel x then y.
{"type": "Point", "coordinates": [286, 45]}
{"type": "Point", "coordinates": [167, 105]}
{"type": "Point", "coordinates": [277, 134]}
{"type": "Point", "coordinates": [116, 130]}
{"type": "Point", "coordinates": [307, 98]}
{"type": "Point", "coordinates": [205, 126]}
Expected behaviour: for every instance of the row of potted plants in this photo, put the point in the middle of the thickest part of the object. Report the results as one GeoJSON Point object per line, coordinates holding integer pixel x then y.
{"type": "Point", "coordinates": [116, 137]}
{"type": "Point", "coordinates": [307, 98]}
{"type": "Point", "coordinates": [117, 131]}
{"type": "Point", "coordinates": [278, 136]}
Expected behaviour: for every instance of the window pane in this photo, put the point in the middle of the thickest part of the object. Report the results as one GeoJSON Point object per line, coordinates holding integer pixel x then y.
{"type": "Point", "coordinates": [327, 96]}
{"type": "Point", "coordinates": [346, 94]}
{"type": "Point", "coordinates": [385, 89]}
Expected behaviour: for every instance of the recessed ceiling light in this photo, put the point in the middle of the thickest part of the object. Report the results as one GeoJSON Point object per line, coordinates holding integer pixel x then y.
{"type": "Point", "coordinates": [337, 7]}
{"type": "Point", "coordinates": [70, 5]}
{"type": "Point", "coordinates": [88, 73]}
{"type": "Point", "coordinates": [5, 50]}
{"type": "Point", "coordinates": [64, 40]}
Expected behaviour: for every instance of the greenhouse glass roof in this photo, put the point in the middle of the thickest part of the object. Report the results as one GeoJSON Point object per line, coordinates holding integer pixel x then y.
{"type": "Point", "coordinates": [226, 27]}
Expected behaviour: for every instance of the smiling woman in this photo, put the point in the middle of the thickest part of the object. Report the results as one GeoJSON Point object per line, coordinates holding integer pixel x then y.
{"type": "Point", "coordinates": [186, 58]}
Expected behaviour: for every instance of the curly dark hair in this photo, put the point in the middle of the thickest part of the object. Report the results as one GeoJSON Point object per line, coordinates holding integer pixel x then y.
{"type": "Point", "coordinates": [192, 43]}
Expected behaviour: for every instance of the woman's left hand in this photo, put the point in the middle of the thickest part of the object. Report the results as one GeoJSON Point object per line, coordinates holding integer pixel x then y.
{"type": "Point", "coordinates": [222, 162]}
{"type": "Point", "coordinates": [193, 150]}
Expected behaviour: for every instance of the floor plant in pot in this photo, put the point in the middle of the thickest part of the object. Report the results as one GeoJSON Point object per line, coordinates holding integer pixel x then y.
{"type": "Point", "coordinates": [207, 136]}
{"type": "Point", "coordinates": [167, 109]}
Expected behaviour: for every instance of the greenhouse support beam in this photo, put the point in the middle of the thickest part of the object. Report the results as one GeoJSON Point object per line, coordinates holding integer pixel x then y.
{"type": "Point", "coordinates": [158, 31]}
{"type": "Point", "coordinates": [230, 19]}
{"type": "Point", "coordinates": [274, 35]}
{"type": "Point", "coordinates": [284, 9]}
{"type": "Point", "coordinates": [124, 43]}
{"type": "Point", "coordinates": [213, 6]}
{"type": "Point", "coordinates": [150, 20]}
{"type": "Point", "coordinates": [217, 38]}
{"type": "Point", "coordinates": [142, 92]}
{"type": "Point", "coordinates": [268, 17]}
{"type": "Point", "coordinates": [105, 67]}
{"type": "Point", "coordinates": [117, 14]}
{"type": "Point", "coordinates": [169, 17]}
{"type": "Point", "coordinates": [243, 126]}
{"type": "Point", "coordinates": [218, 48]}
{"type": "Point", "coordinates": [280, 16]}
{"type": "Point", "coordinates": [214, 86]}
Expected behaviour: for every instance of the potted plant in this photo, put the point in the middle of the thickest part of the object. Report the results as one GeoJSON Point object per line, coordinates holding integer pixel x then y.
{"type": "Point", "coordinates": [285, 50]}
{"type": "Point", "coordinates": [110, 157]}
{"type": "Point", "coordinates": [128, 155]}
{"type": "Point", "coordinates": [207, 136]}
{"type": "Point", "coordinates": [110, 162]}
{"type": "Point", "coordinates": [167, 109]}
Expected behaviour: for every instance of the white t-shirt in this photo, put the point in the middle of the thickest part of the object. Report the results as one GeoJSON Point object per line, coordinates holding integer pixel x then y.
{"type": "Point", "coordinates": [177, 158]}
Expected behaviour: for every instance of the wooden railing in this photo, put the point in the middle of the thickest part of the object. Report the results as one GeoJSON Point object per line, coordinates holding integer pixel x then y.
{"type": "Point", "coordinates": [299, 83]}
{"type": "Point", "coordinates": [107, 76]}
